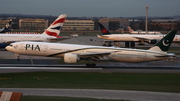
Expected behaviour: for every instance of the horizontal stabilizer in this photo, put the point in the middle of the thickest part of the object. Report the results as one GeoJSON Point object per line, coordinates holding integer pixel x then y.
{"type": "Point", "coordinates": [167, 55]}
{"type": "Point", "coordinates": [102, 36]}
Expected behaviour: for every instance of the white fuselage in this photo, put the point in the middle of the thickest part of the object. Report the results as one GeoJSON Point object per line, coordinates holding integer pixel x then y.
{"type": "Point", "coordinates": [144, 32]}
{"type": "Point", "coordinates": [136, 37]}
{"type": "Point", "coordinates": [8, 38]}
{"type": "Point", "coordinates": [59, 50]}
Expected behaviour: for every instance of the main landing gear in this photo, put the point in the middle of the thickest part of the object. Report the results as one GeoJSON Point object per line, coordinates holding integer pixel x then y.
{"type": "Point", "coordinates": [90, 65]}
{"type": "Point", "coordinates": [108, 44]}
{"type": "Point", "coordinates": [111, 43]}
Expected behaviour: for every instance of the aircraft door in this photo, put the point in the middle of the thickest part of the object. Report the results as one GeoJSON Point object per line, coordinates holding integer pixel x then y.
{"type": "Point", "coordinates": [1, 40]}
{"type": "Point", "coordinates": [21, 46]}
{"type": "Point", "coordinates": [144, 55]}
{"type": "Point", "coordinates": [44, 49]}
{"type": "Point", "coordinates": [114, 54]}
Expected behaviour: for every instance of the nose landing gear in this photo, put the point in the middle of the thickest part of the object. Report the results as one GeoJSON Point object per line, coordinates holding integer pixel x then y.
{"type": "Point", "coordinates": [18, 57]}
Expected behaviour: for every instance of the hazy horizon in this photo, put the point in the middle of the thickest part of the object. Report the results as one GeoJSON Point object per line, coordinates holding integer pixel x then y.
{"type": "Point", "coordinates": [91, 8]}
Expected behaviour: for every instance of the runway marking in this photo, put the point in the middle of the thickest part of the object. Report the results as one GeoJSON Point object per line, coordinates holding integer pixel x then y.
{"type": "Point", "coordinates": [51, 68]}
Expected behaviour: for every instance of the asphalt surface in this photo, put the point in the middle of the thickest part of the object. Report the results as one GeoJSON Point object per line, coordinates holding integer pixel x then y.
{"type": "Point", "coordinates": [99, 94]}
{"type": "Point", "coordinates": [9, 64]}
{"type": "Point", "coordinates": [80, 68]}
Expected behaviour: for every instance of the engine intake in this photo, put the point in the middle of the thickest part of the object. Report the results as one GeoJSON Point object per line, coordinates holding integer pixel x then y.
{"type": "Point", "coordinates": [71, 58]}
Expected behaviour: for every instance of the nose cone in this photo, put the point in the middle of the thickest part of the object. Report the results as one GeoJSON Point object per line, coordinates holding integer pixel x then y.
{"type": "Point", "coordinates": [8, 48]}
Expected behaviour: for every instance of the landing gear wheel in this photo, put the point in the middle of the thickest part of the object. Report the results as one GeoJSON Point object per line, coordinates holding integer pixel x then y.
{"type": "Point", "coordinates": [109, 45]}
{"type": "Point", "coordinates": [104, 45]}
{"type": "Point", "coordinates": [91, 65]}
{"type": "Point", "coordinates": [18, 57]}
{"type": "Point", "coordinates": [87, 65]}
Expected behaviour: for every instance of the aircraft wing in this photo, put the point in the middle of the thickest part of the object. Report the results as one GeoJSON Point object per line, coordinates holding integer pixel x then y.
{"type": "Point", "coordinates": [57, 39]}
{"type": "Point", "coordinates": [140, 38]}
{"type": "Point", "coordinates": [93, 55]}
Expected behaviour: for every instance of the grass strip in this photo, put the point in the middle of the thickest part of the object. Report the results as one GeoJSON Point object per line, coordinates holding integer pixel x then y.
{"type": "Point", "coordinates": [161, 82]}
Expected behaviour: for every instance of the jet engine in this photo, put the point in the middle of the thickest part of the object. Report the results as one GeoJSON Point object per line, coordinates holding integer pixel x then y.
{"type": "Point", "coordinates": [153, 41]}
{"type": "Point", "coordinates": [71, 58]}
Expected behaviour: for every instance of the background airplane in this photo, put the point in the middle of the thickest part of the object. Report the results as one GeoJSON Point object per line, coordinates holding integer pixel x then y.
{"type": "Point", "coordinates": [72, 53]}
{"type": "Point", "coordinates": [142, 32]}
{"type": "Point", "coordinates": [6, 28]}
{"type": "Point", "coordinates": [141, 38]}
{"type": "Point", "coordinates": [49, 35]}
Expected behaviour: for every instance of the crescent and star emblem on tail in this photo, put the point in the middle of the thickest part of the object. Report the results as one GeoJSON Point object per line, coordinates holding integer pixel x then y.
{"type": "Point", "coordinates": [165, 42]}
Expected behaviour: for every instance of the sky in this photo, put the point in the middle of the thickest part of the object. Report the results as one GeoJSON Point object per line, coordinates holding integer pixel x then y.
{"type": "Point", "coordinates": [91, 8]}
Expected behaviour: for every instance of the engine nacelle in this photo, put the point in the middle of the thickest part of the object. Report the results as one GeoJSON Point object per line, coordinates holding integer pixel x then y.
{"type": "Point", "coordinates": [71, 58]}
{"type": "Point", "coordinates": [152, 41]}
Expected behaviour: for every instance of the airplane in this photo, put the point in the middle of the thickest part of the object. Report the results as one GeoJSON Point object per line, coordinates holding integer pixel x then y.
{"type": "Point", "coordinates": [6, 28]}
{"type": "Point", "coordinates": [142, 32]}
{"type": "Point", "coordinates": [141, 38]}
{"type": "Point", "coordinates": [73, 53]}
{"type": "Point", "coordinates": [49, 35]}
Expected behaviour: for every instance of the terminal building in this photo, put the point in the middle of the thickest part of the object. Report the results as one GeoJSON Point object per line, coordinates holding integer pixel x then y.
{"type": "Point", "coordinates": [3, 23]}
{"type": "Point", "coordinates": [115, 23]}
{"type": "Point", "coordinates": [38, 25]}
{"type": "Point", "coordinates": [33, 24]}
{"type": "Point", "coordinates": [78, 25]}
{"type": "Point", "coordinates": [164, 24]}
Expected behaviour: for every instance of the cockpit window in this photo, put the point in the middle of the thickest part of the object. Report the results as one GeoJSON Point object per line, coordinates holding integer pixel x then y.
{"type": "Point", "coordinates": [15, 46]}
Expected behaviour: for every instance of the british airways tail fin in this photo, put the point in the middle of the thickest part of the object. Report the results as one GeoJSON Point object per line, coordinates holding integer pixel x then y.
{"type": "Point", "coordinates": [55, 28]}
{"type": "Point", "coordinates": [7, 28]}
{"type": "Point", "coordinates": [164, 44]}
{"type": "Point", "coordinates": [130, 29]}
{"type": "Point", "coordinates": [103, 29]}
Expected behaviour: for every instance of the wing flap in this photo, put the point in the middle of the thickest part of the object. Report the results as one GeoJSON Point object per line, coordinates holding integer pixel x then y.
{"type": "Point", "coordinates": [94, 55]}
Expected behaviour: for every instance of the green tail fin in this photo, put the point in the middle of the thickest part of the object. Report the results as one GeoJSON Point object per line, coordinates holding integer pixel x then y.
{"type": "Point", "coordinates": [165, 42]}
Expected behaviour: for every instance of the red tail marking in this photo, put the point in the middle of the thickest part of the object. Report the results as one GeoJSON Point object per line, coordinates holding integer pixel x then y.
{"type": "Point", "coordinates": [130, 30]}
{"type": "Point", "coordinates": [104, 30]}
{"type": "Point", "coordinates": [59, 21]}
{"type": "Point", "coordinates": [52, 33]}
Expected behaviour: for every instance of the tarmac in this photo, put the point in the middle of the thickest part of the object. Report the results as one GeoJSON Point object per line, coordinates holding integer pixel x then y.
{"type": "Point", "coordinates": [9, 64]}
{"type": "Point", "coordinates": [98, 94]}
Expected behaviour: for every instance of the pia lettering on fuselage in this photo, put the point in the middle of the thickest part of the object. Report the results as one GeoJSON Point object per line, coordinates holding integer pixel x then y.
{"type": "Point", "coordinates": [32, 47]}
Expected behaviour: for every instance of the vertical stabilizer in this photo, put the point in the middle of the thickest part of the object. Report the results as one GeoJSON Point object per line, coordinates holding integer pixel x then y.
{"type": "Point", "coordinates": [130, 29]}
{"type": "Point", "coordinates": [164, 44]}
{"type": "Point", "coordinates": [55, 28]}
{"type": "Point", "coordinates": [7, 28]}
{"type": "Point", "coordinates": [104, 30]}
